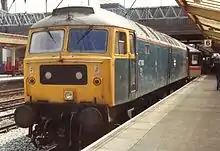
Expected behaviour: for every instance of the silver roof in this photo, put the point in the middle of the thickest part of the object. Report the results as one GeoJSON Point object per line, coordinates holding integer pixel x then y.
{"type": "Point", "coordinates": [98, 16]}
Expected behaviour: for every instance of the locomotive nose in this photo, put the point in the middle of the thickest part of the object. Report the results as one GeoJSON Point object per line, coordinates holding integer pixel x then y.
{"type": "Point", "coordinates": [24, 116]}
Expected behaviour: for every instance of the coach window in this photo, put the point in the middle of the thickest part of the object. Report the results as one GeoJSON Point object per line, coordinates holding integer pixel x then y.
{"type": "Point", "coordinates": [194, 59]}
{"type": "Point", "coordinates": [121, 43]}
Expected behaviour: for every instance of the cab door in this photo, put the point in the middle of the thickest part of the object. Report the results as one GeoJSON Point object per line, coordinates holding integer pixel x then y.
{"type": "Point", "coordinates": [132, 65]}
{"type": "Point", "coordinates": [122, 66]}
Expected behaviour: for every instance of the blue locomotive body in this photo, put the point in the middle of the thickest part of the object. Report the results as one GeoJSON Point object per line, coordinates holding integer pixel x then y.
{"type": "Point", "coordinates": [156, 66]}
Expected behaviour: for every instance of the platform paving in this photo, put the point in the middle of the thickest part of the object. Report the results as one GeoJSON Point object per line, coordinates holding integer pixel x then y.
{"type": "Point", "coordinates": [187, 120]}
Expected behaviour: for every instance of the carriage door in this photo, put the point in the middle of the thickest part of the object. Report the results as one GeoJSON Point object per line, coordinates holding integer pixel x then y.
{"type": "Point", "coordinates": [132, 65]}
{"type": "Point", "coordinates": [170, 62]}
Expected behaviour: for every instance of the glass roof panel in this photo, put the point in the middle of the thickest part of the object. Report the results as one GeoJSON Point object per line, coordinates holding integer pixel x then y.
{"type": "Point", "coordinates": [153, 33]}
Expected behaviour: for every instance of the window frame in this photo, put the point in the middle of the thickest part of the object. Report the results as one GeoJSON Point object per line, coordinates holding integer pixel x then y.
{"type": "Point", "coordinates": [117, 42]}
{"type": "Point", "coordinates": [106, 42]}
{"type": "Point", "coordinates": [50, 29]}
{"type": "Point", "coordinates": [195, 59]}
{"type": "Point", "coordinates": [132, 43]}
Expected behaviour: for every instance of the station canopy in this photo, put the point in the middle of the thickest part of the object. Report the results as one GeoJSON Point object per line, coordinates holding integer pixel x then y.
{"type": "Point", "coordinates": [12, 40]}
{"type": "Point", "coordinates": [206, 15]}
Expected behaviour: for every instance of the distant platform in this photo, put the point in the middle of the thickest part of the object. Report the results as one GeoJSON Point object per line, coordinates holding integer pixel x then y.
{"type": "Point", "coordinates": [10, 78]}
{"type": "Point", "coordinates": [5, 75]}
{"type": "Point", "coordinates": [186, 120]}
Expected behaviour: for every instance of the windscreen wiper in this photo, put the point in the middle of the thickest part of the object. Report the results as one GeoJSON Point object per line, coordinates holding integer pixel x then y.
{"type": "Point", "coordinates": [85, 34]}
{"type": "Point", "coordinates": [49, 33]}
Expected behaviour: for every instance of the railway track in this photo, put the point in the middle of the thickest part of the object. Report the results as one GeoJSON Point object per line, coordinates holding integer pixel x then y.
{"type": "Point", "coordinates": [11, 92]}
{"type": "Point", "coordinates": [11, 104]}
{"type": "Point", "coordinates": [8, 116]}
{"type": "Point", "coordinates": [7, 122]}
{"type": "Point", "coordinates": [7, 127]}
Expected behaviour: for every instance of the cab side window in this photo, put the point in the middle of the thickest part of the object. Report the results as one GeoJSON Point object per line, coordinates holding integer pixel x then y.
{"type": "Point", "coordinates": [121, 43]}
{"type": "Point", "coordinates": [131, 38]}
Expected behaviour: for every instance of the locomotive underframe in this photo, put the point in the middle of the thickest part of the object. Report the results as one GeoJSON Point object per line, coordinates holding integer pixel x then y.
{"type": "Point", "coordinates": [63, 122]}
{"type": "Point", "coordinates": [66, 124]}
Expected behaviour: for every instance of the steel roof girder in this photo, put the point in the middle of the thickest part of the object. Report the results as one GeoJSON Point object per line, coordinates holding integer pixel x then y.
{"type": "Point", "coordinates": [150, 13]}
{"type": "Point", "coordinates": [20, 19]}
{"type": "Point", "coordinates": [134, 14]}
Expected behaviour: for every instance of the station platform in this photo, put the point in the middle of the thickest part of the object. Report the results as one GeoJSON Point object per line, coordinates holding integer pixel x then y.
{"type": "Point", "coordinates": [186, 120]}
{"type": "Point", "coordinates": [10, 79]}
{"type": "Point", "coordinates": [4, 75]}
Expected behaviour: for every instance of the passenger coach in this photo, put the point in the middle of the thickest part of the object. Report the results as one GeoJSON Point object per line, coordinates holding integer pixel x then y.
{"type": "Point", "coordinates": [195, 62]}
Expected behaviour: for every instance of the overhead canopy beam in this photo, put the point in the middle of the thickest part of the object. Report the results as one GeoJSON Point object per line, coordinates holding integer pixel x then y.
{"type": "Point", "coordinates": [200, 11]}
{"type": "Point", "coordinates": [205, 14]}
{"type": "Point", "coordinates": [212, 34]}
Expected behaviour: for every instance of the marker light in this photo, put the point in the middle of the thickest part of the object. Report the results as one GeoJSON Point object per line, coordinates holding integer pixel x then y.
{"type": "Point", "coordinates": [68, 95]}
{"type": "Point", "coordinates": [48, 75]}
{"type": "Point", "coordinates": [96, 81]}
{"type": "Point", "coordinates": [79, 75]}
{"type": "Point", "coordinates": [31, 70]}
{"type": "Point", "coordinates": [31, 80]}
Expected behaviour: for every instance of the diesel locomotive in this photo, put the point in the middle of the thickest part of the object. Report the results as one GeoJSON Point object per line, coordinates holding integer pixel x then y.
{"type": "Point", "coordinates": [87, 67]}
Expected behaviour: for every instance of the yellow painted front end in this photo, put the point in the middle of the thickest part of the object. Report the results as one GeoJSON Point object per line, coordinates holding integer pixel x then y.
{"type": "Point", "coordinates": [99, 66]}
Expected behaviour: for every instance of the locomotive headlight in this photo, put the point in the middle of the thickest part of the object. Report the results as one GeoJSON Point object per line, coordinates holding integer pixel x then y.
{"type": "Point", "coordinates": [79, 75]}
{"type": "Point", "coordinates": [31, 80]}
{"type": "Point", "coordinates": [48, 75]}
{"type": "Point", "coordinates": [68, 95]}
{"type": "Point", "coordinates": [97, 81]}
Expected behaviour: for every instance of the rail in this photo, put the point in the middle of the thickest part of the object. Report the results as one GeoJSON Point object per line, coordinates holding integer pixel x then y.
{"type": "Point", "coordinates": [11, 92]}
{"type": "Point", "coordinates": [7, 122]}
{"type": "Point", "coordinates": [11, 104]}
